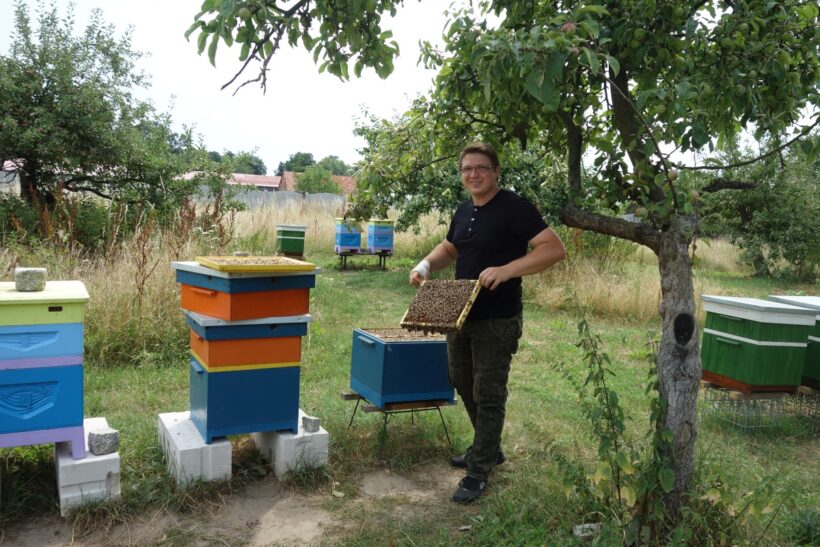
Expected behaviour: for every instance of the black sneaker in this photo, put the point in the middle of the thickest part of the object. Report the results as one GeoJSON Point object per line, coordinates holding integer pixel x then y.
{"type": "Point", "coordinates": [460, 461]}
{"type": "Point", "coordinates": [469, 489]}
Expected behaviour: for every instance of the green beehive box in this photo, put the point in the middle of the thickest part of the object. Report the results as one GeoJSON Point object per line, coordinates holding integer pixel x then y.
{"type": "Point", "coordinates": [811, 370]}
{"type": "Point", "coordinates": [290, 238]}
{"type": "Point", "coordinates": [754, 344]}
{"type": "Point", "coordinates": [59, 302]}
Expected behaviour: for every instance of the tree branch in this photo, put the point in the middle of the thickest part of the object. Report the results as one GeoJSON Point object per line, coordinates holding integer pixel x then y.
{"type": "Point", "coordinates": [725, 184]}
{"type": "Point", "coordinates": [638, 232]}
{"type": "Point", "coordinates": [776, 150]}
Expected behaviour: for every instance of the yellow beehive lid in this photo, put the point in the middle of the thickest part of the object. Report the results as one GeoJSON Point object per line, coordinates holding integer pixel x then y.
{"type": "Point", "coordinates": [255, 264]}
{"type": "Point", "coordinates": [55, 291]}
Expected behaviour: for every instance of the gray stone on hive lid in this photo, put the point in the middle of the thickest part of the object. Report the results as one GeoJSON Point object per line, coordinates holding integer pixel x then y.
{"type": "Point", "coordinates": [241, 253]}
{"type": "Point", "coordinates": [29, 279]}
{"type": "Point", "coordinates": [310, 424]}
{"type": "Point", "coordinates": [103, 441]}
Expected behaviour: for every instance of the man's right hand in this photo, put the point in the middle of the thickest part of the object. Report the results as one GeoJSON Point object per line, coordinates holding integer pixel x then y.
{"type": "Point", "coordinates": [416, 278]}
{"type": "Point", "coordinates": [420, 272]}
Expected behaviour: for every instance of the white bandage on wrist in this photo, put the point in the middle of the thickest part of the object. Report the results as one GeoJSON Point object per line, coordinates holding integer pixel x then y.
{"type": "Point", "coordinates": [422, 268]}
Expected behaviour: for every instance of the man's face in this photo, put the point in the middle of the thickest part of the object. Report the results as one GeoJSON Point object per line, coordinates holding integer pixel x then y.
{"type": "Point", "coordinates": [478, 175]}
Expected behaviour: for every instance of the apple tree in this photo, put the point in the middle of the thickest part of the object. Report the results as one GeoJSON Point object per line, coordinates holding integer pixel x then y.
{"type": "Point", "coordinates": [624, 84]}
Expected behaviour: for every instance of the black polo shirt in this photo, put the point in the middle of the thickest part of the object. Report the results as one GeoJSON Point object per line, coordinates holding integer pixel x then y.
{"type": "Point", "coordinates": [494, 234]}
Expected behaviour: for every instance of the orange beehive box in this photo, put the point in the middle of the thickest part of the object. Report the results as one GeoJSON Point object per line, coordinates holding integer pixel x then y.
{"type": "Point", "coordinates": [247, 351]}
{"type": "Point", "coordinates": [248, 305]}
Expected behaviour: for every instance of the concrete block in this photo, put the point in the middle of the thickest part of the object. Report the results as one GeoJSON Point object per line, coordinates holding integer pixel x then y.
{"type": "Point", "coordinates": [103, 441]}
{"type": "Point", "coordinates": [93, 478]}
{"type": "Point", "coordinates": [29, 279]}
{"type": "Point", "coordinates": [292, 451]}
{"type": "Point", "coordinates": [188, 457]}
{"type": "Point", "coordinates": [311, 424]}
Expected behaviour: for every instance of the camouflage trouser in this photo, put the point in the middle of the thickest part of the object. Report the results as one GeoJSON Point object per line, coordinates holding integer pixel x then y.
{"type": "Point", "coordinates": [479, 358]}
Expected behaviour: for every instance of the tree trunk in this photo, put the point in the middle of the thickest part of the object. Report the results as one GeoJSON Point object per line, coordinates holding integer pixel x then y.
{"type": "Point", "coordinates": [679, 367]}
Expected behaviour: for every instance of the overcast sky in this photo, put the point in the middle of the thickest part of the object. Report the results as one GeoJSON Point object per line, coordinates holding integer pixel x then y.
{"type": "Point", "coordinates": [303, 111]}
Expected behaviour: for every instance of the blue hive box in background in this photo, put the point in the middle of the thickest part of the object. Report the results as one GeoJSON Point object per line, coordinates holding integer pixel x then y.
{"type": "Point", "coordinates": [348, 237]}
{"type": "Point", "coordinates": [380, 236]}
{"type": "Point", "coordinates": [389, 366]}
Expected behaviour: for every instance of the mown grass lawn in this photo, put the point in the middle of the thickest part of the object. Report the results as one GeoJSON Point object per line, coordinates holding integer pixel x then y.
{"type": "Point", "coordinates": [526, 503]}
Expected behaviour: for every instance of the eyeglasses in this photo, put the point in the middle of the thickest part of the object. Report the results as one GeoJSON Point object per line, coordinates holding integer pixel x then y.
{"type": "Point", "coordinates": [480, 169]}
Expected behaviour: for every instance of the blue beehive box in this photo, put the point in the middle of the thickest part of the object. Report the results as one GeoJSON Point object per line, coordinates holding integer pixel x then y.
{"type": "Point", "coordinates": [212, 328]}
{"type": "Point", "coordinates": [41, 342]}
{"type": "Point", "coordinates": [348, 237]}
{"type": "Point", "coordinates": [33, 399]}
{"type": "Point", "coordinates": [243, 401]}
{"type": "Point", "coordinates": [387, 368]}
{"type": "Point", "coordinates": [380, 236]}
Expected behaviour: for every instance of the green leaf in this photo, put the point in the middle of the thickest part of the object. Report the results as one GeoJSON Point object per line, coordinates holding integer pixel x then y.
{"type": "Point", "coordinates": [685, 90]}
{"type": "Point", "coordinates": [209, 5]}
{"type": "Point", "coordinates": [592, 60]}
{"type": "Point", "coordinates": [212, 48]}
{"type": "Point", "coordinates": [243, 53]}
{"type": "Point", "coordinates": [628, 496]}
{"type": "Point", "coordinates": [599, 10]}
{"type": "Point", "coordinates": [226, 36]}
{"type": "Point", "coordinates": [555, 66]}
{"type": "Point", "coordinates": [667, 478]}
{"type": "Point", "coordinates": [201, 40]}
{"type": "Point", "coordinates": [614, 65]}
{"type": "Point", "coordinates": [542, 89]}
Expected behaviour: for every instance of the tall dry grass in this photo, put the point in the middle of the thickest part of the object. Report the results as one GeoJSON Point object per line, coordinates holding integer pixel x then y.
{"type": "Point", "coordinates": [134, 317]}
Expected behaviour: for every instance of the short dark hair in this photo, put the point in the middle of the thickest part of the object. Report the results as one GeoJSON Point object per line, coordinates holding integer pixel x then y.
{"type": "Point", "coordinates": [479, 148]}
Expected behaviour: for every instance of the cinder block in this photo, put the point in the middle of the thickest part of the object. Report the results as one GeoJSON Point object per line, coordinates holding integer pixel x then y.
{"type": "Point", "coordinates": [188, 457]}
{"type": "Point", "coordinates": [94, 478]}
{"type": "Point", "coordinates": [292, 451]}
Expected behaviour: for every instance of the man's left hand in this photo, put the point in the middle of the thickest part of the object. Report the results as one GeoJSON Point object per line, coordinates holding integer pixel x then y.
{"type": "Point", "coordinates": [492, 277]}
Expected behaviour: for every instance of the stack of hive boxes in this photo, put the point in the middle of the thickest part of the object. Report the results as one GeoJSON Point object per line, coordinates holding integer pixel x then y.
{"type": "Point", "coordinates": [246, 317]}
{"type": "Point", "coordinates": [290, 240]}
{"type": "Point", "coordinates": [348, 237]}
{"type": "Point", "coordinates": [380, 236]}
{"type": "Point", "coordinates": [41, 365]}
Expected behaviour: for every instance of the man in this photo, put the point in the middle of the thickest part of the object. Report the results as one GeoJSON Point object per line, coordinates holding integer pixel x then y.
{"type": "Point", "coordinates": [488, 239]}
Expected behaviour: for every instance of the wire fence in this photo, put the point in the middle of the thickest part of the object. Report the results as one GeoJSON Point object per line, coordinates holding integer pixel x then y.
{"type": "Point", "coordinates": [761, 410]}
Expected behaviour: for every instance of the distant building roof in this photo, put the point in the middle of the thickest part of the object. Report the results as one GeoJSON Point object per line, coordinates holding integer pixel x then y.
{"type": "Point", "coordinates": [347, 184]}
{"type": "Point", "coordinates": [261, 181]}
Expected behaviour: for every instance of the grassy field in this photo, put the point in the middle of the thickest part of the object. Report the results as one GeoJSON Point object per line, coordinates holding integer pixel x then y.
{"type": "Point", "coordinates": [136, 355]}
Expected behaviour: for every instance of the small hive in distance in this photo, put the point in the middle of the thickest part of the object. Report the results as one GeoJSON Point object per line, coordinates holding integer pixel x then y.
{"type": "Point", "coordinates": [441, 305]}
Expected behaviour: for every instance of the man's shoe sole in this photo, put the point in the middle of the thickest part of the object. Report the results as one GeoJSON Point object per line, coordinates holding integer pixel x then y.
{"type": "Point", "coordinates": [460, 463]}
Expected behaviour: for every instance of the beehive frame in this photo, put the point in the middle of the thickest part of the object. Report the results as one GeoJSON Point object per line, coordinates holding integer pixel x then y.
{"type": "Point", "coordinates": [440, 327]}
{"type": "Point", "coordinates": [231, 263]}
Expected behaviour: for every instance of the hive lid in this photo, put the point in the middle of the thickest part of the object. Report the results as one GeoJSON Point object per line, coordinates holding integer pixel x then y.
{"type": "Point", "coordinates": [255, 264]}
{"type": "Point", "coordinates": [208, 321]}
{"type": "Point", "coordinates": [197, 268]}
{"type": "Point", "coordinates": [756, 309]}
{"type": "Point", "coordinates": [441, 305]}
{"type": "Point", "coordinates": [810, 302]}
{"type": "Point", "coordinates": [55, 291]}
{"type": "Point", "coordinates": [293, 227]}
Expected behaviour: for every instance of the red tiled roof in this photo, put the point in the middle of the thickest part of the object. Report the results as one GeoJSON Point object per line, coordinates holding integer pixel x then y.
{"type": "Point", "coordinates": [288, 182]}
{"type": "Point", "coordinates": [347, 184]}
